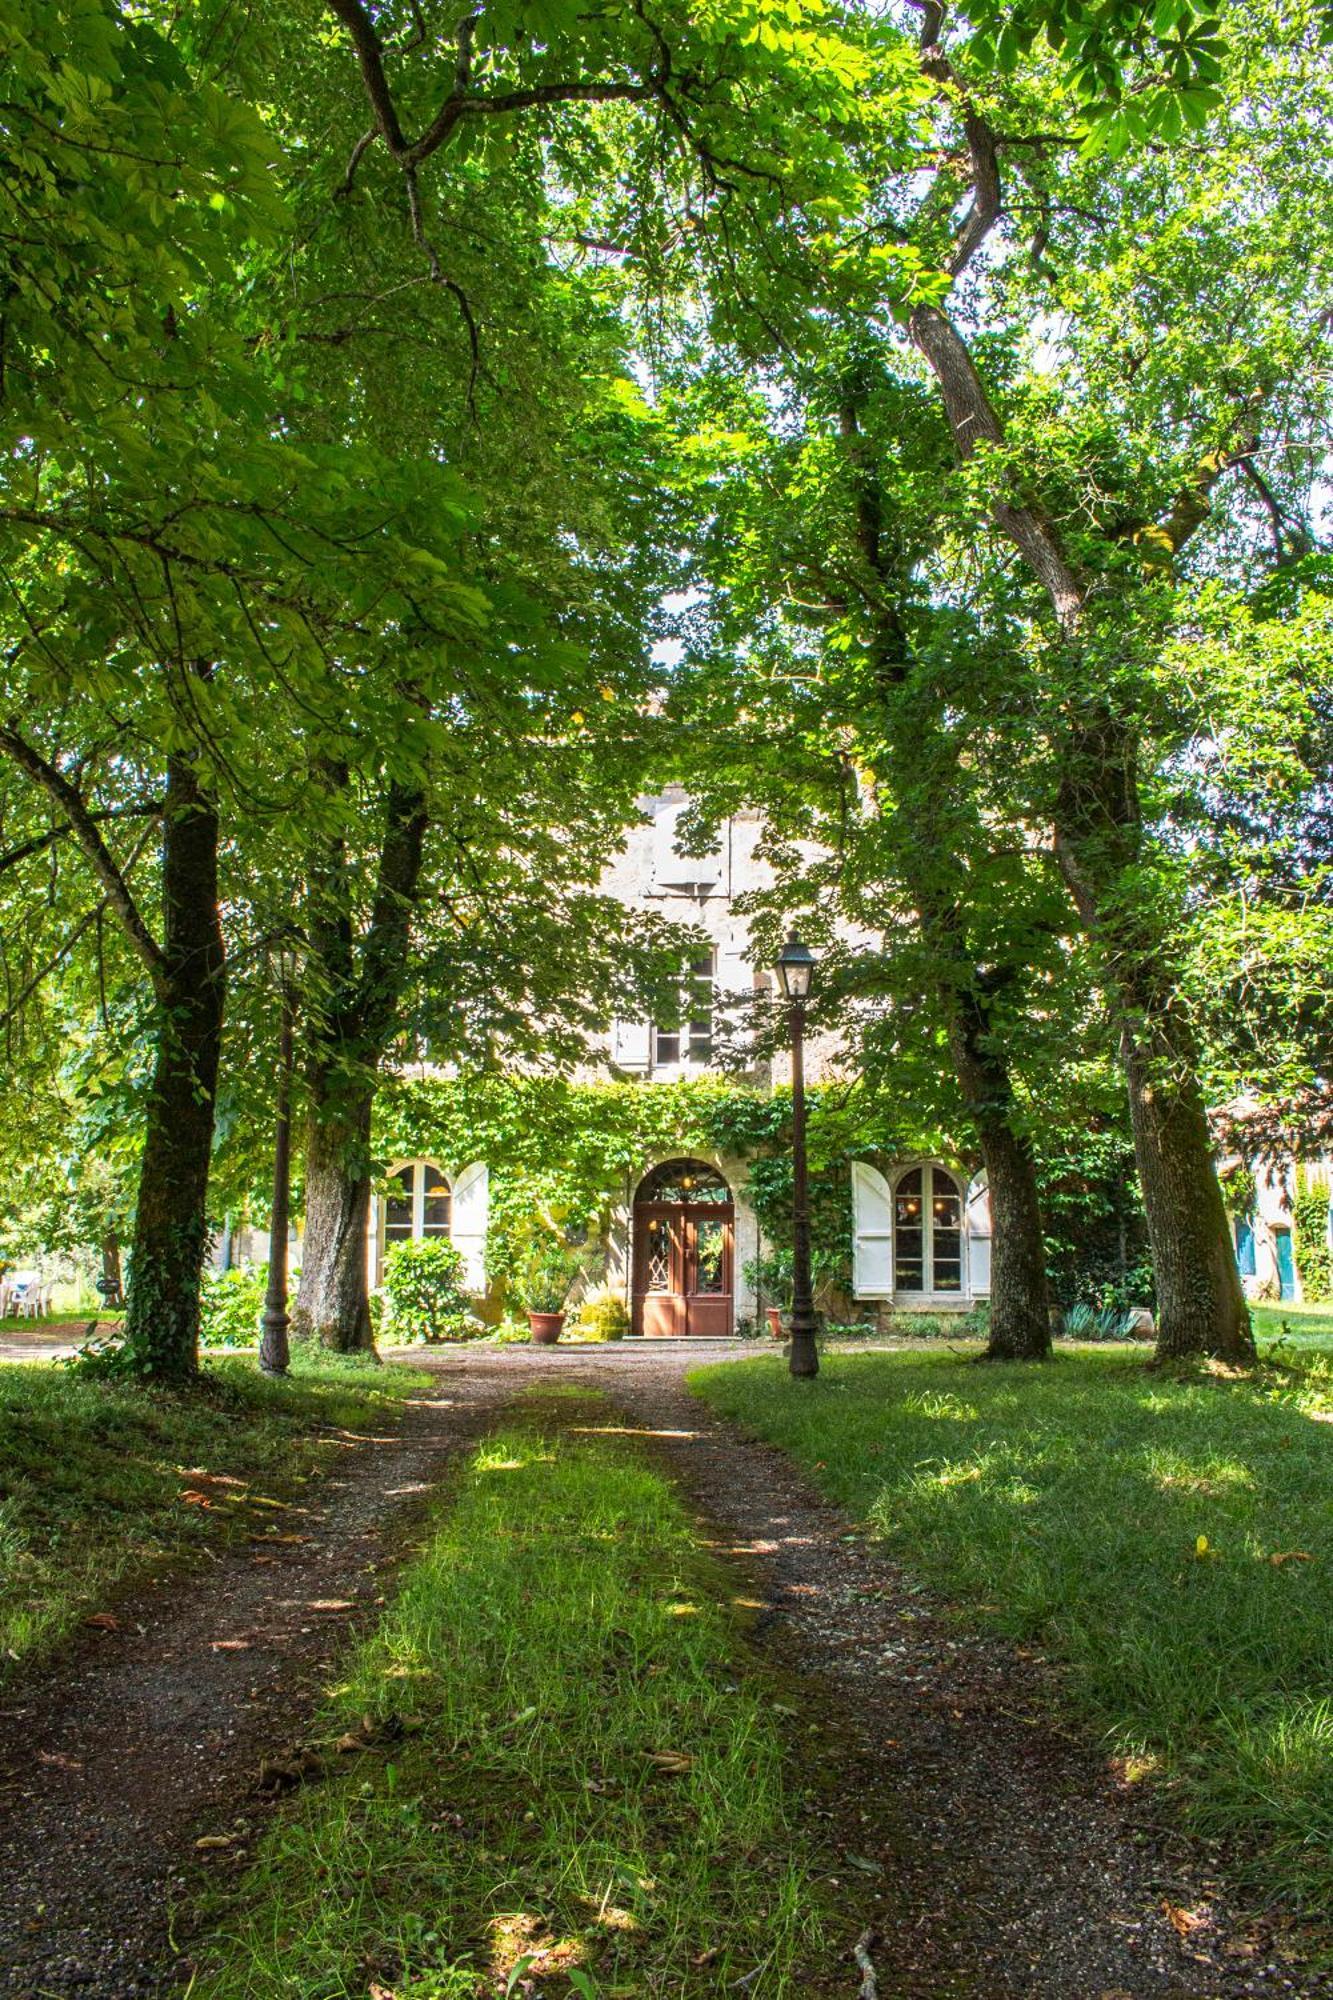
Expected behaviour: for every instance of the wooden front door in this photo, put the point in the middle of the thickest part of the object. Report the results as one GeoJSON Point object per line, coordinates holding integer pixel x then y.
{"type": "Point", "coordinates": [683, 1256]}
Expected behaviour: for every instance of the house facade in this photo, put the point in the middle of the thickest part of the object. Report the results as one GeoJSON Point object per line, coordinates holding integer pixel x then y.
{"type": "Point", "coordinates": [683, 1244]}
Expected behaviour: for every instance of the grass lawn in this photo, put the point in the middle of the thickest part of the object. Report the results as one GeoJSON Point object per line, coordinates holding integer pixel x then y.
{"type": "Point", "coordinates": [1303, 1326]}
{"type": "Point", "coordinates": [1170, 1542]}
{"type": "Point", "coordinates": [102, 1482]}
{"type": "Point", "coordinates": [567, 1769]}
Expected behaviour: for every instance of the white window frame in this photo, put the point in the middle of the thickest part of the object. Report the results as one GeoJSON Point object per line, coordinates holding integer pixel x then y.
{"type": "Point", "coordinates": [419, 1233]}
{"type": "Point", "coordinates": [928, 1295]}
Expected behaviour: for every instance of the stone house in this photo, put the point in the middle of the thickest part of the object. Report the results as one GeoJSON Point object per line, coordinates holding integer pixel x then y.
{"type": "Point", "coordinates": [684, 1242]}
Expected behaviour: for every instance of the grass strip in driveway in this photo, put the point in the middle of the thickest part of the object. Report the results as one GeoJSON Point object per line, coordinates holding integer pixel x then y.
{"type": "Point", "coordinates": [1169, 1541]}
{"type": "Point", "coordinates": [102, 1483]}
{"type": "Point", "coordinates": [567, 1772]}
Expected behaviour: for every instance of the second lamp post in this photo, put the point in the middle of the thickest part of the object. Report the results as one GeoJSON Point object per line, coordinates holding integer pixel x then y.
{"type": "Point", "coordinates": [795, 970]}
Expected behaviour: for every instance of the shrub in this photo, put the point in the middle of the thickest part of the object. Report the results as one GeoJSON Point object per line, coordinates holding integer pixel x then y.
{"type": "Point", "coordinates": [602, 1316]}
{"type": "Point", "coordinates": [424, 1294]}
{"type": "Point", "coordinates": [1087, 1322]}
{"type": "Point", "coordinates": [230, 1305]}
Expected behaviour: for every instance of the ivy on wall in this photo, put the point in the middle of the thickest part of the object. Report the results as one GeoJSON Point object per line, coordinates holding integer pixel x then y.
{"type": "Point", "coordinates": [1309, 1210]}
{"type": "Point", "coordinates": [567, 1153]}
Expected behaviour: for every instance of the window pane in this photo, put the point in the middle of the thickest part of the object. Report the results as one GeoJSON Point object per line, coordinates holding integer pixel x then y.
{"type": "Point", "coordinates": [668, 1046]}
{"type": "Point", "coordinates": [946, 1213]}
{"type": "Point", "coordinates": [438, 1203]}
{"type": "Point", "coordinates": [908, 1234]}
{"type": "Point", "coordinates": [710, 1244]}
{"type": "Point", "coordinates": [656, 1255]}
{"type": "Point", "coordinates": [398, 1206]}
{"type": "Point", "coordinates": [684, 1180]}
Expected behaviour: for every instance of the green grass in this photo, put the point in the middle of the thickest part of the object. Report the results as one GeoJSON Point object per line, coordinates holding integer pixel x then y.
{"type": "Point", "coordinates": [1302, 1326]}
{"type": "Point", "coordinates": [560, 1631]}
{"type": "Point", "coordinates": [103, 1483]}
{"type": "Point", "coordinates": [1064, 1504]}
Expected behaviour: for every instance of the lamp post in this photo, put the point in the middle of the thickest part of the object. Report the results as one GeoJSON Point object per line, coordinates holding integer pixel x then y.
{"type": "Point", "coordinates": [795, 969]}
{"type": "Point", "coordinates": [274, 1351]}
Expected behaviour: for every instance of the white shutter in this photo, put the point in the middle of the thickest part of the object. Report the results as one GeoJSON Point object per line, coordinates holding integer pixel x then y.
{"type": "Point", "coordinates": [735, 974]}
{"type": "Point", "coordinates": [979, 1230]}
{"type": "Point", "coordinates": [872, 1213]}
{"type": "Point", "coordinates": [467, 1228]}
{"type": "Point", "coordinates": [677, 872]}
{"type": "Point", "coordinates": [631, 1043]}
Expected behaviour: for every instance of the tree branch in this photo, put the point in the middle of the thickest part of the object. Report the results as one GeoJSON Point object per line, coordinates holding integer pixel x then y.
{"type": "Point", "coordinates": [83, 825]}
{"type": "Point", "coordinates": [28, 848]}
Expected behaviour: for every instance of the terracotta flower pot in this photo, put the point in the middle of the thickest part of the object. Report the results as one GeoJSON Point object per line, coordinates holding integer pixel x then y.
{"type": "Point", "coordinates": [775, 1321]}
{"type": "Point", "coordinates": [545, 1328]}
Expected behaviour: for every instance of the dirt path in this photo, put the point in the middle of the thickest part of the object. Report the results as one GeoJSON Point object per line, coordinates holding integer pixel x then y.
{"type": "Point", "coordinates": [112, 1764]}
{"type": "Point", "coordinates": [995, 1856]}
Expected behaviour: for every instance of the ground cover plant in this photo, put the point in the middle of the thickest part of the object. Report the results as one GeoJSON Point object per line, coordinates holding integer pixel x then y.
{"type": "Point", "coordinates": [1169, 1541]}
{"type": "Point", "coordinates": [563, 1766]}
{"type": "Point", "coordinates": [101, 1485]}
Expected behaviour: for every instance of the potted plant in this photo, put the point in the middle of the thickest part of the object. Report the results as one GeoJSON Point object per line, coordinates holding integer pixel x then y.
{"type": "Point", "coordinates": [542, 1284]}
{"type": "Point", "coordinates": [771, 1278]}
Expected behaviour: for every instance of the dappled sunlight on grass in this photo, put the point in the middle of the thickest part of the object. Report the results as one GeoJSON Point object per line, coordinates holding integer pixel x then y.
{"type": "Point", "coordinates": [102, 1482]}
{"type": "Point", "coordinates": [1170, 1540]}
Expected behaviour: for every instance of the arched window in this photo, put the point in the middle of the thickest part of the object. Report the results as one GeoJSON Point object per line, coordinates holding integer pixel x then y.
{"type": "Point", "coordinates": [684, 1180]}
{"type": "Point", "coordinates": [927, 1231]}
{"type": "Point", "coordinates": [419, 1203]}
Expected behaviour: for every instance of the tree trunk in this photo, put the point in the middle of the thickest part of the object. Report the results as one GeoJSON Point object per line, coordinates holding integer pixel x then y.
{"type": "Point", "coordinates": [1020, 1306]}
{"type": "Point", "coordinates": [333, 1301]}
{"type": "Point", "coordinates": [171, 1220]}
{"type": "Point", "coordinates": [349, 1038]}
{"type": "Point", "coordinates": [1201, 1306]}
{"type": "Point", "coordinates": [112, 1285]}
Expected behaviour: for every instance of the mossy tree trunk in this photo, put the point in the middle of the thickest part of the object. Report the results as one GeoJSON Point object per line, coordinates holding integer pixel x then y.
{"type": "Point", "coordinates": [360, 988]}
{"type": "Point", "coordinates": [171, 1215]}
{"type": "Point", "coordinates": [1020, 1306]}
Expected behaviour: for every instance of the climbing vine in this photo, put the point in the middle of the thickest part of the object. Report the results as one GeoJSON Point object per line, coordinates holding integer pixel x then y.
{"type": "Point", "coordinates": [1310, 1214]}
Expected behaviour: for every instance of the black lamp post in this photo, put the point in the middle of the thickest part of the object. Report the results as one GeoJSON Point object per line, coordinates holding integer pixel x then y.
{"type": "Point", "coordinates": [274, 1349]}
{"type": "Point", "coordinates": [795, 969]}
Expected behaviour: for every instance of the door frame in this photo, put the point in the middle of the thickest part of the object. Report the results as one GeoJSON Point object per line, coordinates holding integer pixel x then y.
{"type": "Point", "coordinates": [682, 1219]}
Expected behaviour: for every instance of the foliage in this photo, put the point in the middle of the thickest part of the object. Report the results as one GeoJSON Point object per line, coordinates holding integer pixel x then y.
{"type": "Point", "coordinates": [230, 1305]}
{"type": "Point", "coordinates": [545, 1274]}
{"type": "Point", "coordinates": [1310, 1213]}
{"type": "Point", "coordinates": [601, 1315]}
{"type": "Point", "coordinates": [1000, 1490]}
{"type": "Point", "coordinates": [1088, 1322]}
{"type": "Point", "coordinates": [92, 1495]}
{"type": "Point", "coordinates": [507, 1682]}
{"type": "Point", "coordinates": [423, 1290]}
{"type": "Point", "coordinates": [1238, 1189]}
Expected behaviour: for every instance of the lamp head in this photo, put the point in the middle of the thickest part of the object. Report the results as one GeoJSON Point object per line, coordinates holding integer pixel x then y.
{"type": "Point", "coordinates": [795, 969]}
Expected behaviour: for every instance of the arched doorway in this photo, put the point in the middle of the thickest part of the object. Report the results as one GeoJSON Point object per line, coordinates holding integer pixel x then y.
{"type": "Point", "coordinates": [684, 1251]}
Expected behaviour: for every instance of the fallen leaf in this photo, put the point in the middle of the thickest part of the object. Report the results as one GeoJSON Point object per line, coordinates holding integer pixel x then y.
{"type": "Point", "coordinates": [353, 1740]}
{"type": "Point", "coordinates": [1183, 1922]}
{"type": "Point", "coordinates": [210, 1841]}
{"type": "Point", "coordinates": [103, 1621]}
{"type": "Point", "coordinates": [1201, 1545]}
{"type": "Point", "coordinates": [671, 1760]}
{"type": "Point", "coordinates": [866, 1867]}
{"type": "Point", "coordinates": [1290, 1556]}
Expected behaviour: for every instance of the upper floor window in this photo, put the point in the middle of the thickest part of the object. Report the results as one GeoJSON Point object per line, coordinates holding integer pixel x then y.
{"type": "Point", "coordinates": [419, 1203]}
{"type": "Point", "coordinates": [690, 1040]}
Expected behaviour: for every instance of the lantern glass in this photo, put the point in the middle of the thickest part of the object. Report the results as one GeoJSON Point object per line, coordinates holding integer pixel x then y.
{"type": "Point", "coordinates": [795, 969]}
